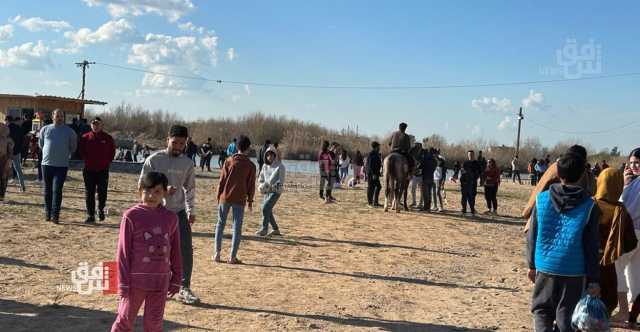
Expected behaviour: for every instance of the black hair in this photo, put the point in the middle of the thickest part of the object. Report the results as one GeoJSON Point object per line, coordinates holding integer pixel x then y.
{"type": "Point", "coordinates": [208, 139]}
{"type": "Point", "coordinates": [243, 143]}
{"type": "Point", "coordinates": [267, 142]}
{"type": "Point", "coordinates": [235, 139]}
{"type": "Point", "coordinates": [471, 151]}
{"type": "Point", "coordinates": [152, 179]}
{"type": "Point", "coordinates": [402, 126]}
{"type": "Point", "coordinates": [635, 153]}
{"type": "Point", "coordinates": [374, 144]}
{"type": "Point", "coordinates": [178, 131]}
{"type": "Point", "coordinates": [325, 145]}
{"type": "Point", "coordinates": [571, 166]}
{"type": "Point", "coordinates": [579, 150]}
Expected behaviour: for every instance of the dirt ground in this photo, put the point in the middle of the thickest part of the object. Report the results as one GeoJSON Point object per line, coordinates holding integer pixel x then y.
{"type": "Point", "coordinates": [339, 267]}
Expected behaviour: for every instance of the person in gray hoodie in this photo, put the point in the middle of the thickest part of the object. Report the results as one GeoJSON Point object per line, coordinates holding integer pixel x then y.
{"type": "Point", "coordinates": [271, 185]}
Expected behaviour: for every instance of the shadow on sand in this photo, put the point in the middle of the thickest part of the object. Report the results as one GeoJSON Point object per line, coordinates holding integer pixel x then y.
{"type": "Point", "coordinates": [362, 322]}
{"type": "Point", "coordinates": [19, 316]}
{"type": "Point", "coordinates": [20, 262]}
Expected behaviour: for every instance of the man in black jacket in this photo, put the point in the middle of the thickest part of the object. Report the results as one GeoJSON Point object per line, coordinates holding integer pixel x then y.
{"type": "Point", "coordinates": [428, 164]}
{"type": "Point", "coordinates": [469, 182]}
{"type": "Point", "coordinates": [374, 166]}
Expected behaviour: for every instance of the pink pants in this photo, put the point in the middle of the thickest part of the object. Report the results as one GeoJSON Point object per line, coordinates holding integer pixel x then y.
{"type": "Point", "coordinates": [128, 307]}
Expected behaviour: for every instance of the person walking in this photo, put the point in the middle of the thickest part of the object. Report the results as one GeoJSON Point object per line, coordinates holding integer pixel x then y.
{"type": "Point", "coordinates": [58, 143]}
{"type": "Point", "coordinates": [232, 148]}
{"type": "Point", "coordinates": [236, 189]}
{"type": "Point", "coordinates": [192, 150]}
{"type": "Point", "coordinates": [439, 177]}
{"type": "Point", "coordinates": [343, 163]}
{"type": "Point", "coordinates": [416, 153]}
{"type": "Point", "coordinates": [97, 149]}
{"type": "Point", "coordinates": [533, 177]}
{"type": "Point", "coordinates": [429, 165]}
{"type": "Point", "coordinates": [325, 163]}
{"type": "Point", "coordinates": [358, 165]}
{"type": "Point", "coordinates": [17, 134]}
{"type": "Point", "coordinates": [261, 158]}
{"type": "Point", "coordinates": [206, 153]}
{"type": "Point", "coordinates": [515, 170]}
{"type": "Point", "coordinates": [6, 157]}
{"type": "Point", "coordinates": [271, 185]}
{"type": "Point", "coordinates": [482, 161]}
{"type": "Point", "coordinates": [491, 184]}
{"type": "Point", "coordinates": [148, 257]}
{"type": "Point", "coordinates": [470, 173]}
{"type": "Point", "coordinates": [181, 198]}
{"type": "Point", "coordinates": [374, 166]}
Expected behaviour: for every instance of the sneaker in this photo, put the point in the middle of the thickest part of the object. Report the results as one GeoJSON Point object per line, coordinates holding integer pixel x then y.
{"type": "Point", "coordinates": [55, 220]}
{"type": "Point", "coordinates": [234, 261]}
{"type": "Point", "coordinates": [440, 209]}
{"type": "Point", "coordinates": [90, 220]}
{"type": "Point", "coordinates": [262, 232]}
{"type": "Point", "coordinates": [216, 258]}
{"type": "Point", "coordinates": [101, 215]}
{"type": "Point", "coordinates": [186, 296]}
{"type": "Point", "coordinates": [275, 232]}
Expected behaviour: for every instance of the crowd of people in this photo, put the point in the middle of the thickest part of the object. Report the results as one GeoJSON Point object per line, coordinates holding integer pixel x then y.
{"type": "Point", "coordinates": [582, 228]}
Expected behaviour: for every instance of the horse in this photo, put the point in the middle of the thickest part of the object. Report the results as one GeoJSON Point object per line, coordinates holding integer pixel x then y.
{"type": "Point", "coordinates": [396, 180]}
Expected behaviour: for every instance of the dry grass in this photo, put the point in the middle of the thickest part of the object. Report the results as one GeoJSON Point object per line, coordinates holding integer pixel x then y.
{"type": "Point", "coordinates": [338, 267]}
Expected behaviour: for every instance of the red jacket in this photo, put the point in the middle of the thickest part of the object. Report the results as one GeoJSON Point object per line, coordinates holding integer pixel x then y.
{"type": "Point", "coordinates": [97, 150]}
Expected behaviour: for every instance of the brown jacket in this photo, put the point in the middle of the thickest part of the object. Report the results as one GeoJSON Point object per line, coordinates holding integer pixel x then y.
{"type": "Point", "coordinates": [587, 182]}
{"type": "Point", "coordinates": [6, 150]}
{"type": "Point", "coordinates": [237, 180]}
{"type": "Point", "coordinates": [400, 142]}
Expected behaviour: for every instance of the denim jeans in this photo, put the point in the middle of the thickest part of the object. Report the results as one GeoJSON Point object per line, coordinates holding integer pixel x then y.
{"type": "Point", "coordinates": [54, 178]}
{"type": "Point", "coordinates": [270, 201]}
{"type": "Point", "coordinates": [437, 193]}
{"type": "Point", "coordinates": [238, 214]}
{"type": "Point", "coordinates": [344, 172]}
{"type": "Point", "coordinates": [17, 167]}
{"type": "Point", "coordinates": [415, 182]}
{"type": "Point", "coordinates": [186, 248]}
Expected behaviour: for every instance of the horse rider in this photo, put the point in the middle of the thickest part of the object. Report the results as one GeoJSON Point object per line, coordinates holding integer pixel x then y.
{"type": "Point", "coordinates": [400, 142]}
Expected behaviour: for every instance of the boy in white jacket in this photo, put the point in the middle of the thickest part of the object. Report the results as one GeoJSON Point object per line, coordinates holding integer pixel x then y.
{"type": "Point", "coordinates": [271, 185]}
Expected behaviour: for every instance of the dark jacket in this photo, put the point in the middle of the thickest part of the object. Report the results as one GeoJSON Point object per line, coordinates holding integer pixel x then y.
{"type": "Point", "coordinates": [428, 164]}
{"type": "Point", "coordinates": [17, 135]}
{"type": "Point", "coordinates": [400, 142]}
{"type": "Point", "coordinates": [470, 172]}
{"type": "Point", "coordinates": [565, 198]}
{"type": "Point", "coordinates": [374, 164]}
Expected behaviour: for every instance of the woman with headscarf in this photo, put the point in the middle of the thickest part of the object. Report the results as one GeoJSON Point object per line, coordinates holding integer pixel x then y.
{"type": "Point", "coordinates": [616, 235]}
{"type": "Point", "coordinates": [628, 265]}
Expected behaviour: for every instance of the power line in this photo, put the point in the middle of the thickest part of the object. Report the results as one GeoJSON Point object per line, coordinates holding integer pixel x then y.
{"type": "Point", "coordinates": [595, 132]}
{"type": "Point", "coordinates": [372, 87]}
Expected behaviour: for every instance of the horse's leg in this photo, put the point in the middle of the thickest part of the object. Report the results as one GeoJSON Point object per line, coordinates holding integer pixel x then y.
{"type": "Point", "coordinates": [405, 190]}
{"type": "Point", "coordinates": [386, 193]}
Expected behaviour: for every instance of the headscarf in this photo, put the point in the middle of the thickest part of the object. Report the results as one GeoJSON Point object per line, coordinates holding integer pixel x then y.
{"type": "Point", "coordinates": [616, 227]}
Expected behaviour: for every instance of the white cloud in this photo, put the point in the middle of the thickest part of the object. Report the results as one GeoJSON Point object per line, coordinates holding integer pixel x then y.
{"type": "Point", "coordinates": [182, 55]}
{"type": "Point", "coordinates": [6, 32]}
{"type": "Point", "coordinates": [231, 54]}
{"type": "Point", "coordinates": [171, 9]}
{"type": "Point", "coordinates": [492, 104]}
{"type": "Point", "coordinates": [507, 122]}
{"type": "Point", "coordinates": [112, 31]}
{"type": "Point", "coordinates": [535, 101]}
{"type": "Point", "coordinates": [247, 89]}
{"type": "Point", "coordinates": [36, 24]}
{"type": "Point", "coordinates": [191, 27]}
{"type": "Point", "coordinates": [57, 83]}
{"type": "Point", "coordinates": [28, 56]}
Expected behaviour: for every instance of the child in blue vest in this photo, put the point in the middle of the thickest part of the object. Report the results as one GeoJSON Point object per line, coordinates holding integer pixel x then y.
{"type": "Point", "coordinates": [562, 248]}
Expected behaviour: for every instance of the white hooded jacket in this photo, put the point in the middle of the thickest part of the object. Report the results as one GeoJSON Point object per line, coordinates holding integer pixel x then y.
{"type": "Point", "coordinates": [271, 178]}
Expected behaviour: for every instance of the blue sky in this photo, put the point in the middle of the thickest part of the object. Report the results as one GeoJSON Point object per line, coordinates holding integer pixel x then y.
{"type": "Point", "coordinates": [370, 43]}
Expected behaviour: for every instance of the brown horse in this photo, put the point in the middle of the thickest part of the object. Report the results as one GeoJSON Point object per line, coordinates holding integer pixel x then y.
{"type": "Point", "coordinates": [396, 180]}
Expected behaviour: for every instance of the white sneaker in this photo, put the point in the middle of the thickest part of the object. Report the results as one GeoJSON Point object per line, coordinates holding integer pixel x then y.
{"type": "Point", "coordinates": [186, 296]}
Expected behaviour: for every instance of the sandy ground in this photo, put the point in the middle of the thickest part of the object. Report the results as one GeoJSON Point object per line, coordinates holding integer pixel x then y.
{"type": "Point", "coordinates": [340, 267]}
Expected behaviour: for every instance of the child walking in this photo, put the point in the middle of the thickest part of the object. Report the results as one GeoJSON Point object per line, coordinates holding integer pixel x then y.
{"type": "Point", "coordinates": [237, 188]}
{"type": "Point", "coordinates": [271, 185]}
{"type": "Point", "coordinates": [148, 257]}
{"type": "Point", "coordinates": [562, 248]}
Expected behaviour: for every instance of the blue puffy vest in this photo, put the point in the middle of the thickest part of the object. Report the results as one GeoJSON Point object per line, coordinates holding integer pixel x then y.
{"type": "Point", "coordinates": [559, 248]}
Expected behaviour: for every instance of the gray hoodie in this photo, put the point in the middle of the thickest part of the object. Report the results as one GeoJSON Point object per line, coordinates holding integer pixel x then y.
{"type": "Point", "coordinates": [272, 176]}
{"type": "Point", "coordinates": [181, 174]}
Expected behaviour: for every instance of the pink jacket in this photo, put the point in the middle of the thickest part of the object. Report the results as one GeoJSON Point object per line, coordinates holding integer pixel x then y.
{"type": "Point", "coordinates": [148, 253]}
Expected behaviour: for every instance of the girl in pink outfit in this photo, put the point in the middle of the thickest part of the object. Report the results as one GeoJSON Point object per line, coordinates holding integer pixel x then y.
{"type": "Point", "coordinates": [149, 260]}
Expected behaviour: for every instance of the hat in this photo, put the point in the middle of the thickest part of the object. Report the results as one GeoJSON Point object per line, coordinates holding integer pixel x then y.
{"type": "Point", "coordinates": [178, 131]}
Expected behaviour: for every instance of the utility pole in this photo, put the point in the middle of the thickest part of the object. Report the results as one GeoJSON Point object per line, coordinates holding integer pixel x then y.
{"type": "Point", "coordinates": [520, 118]}
{"type": "Point", "coordinates": [84, 65]}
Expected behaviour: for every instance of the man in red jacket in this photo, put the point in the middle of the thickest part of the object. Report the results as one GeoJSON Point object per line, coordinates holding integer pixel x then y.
{"type": "Point", "coordinates": [97, 149]}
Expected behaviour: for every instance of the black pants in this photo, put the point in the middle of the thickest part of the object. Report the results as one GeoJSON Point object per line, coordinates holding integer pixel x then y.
{"type": "Point", "coordinates": [469, 191]}
{"type": "Point", "coordinates": [373, 189]}
{"type": "Point", "coordinates": [554, 299]}
{"type": "Point", "coordinates": [516, 174]}
{"type": "Point", "coordinates": [186, 248]}
{"type": "Point", "coordinates": [54, 178]}
{"type": "Point", "coordinates": [427, 189]}
{"type": "Point", "coordinates": [491, 195]}
{"type": "Point", "coordinates": [95, 181]}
